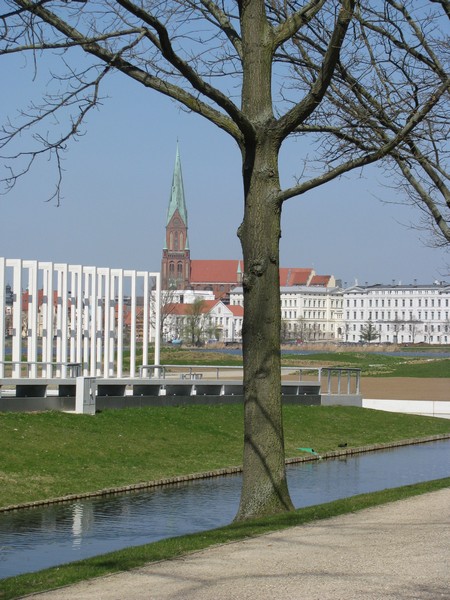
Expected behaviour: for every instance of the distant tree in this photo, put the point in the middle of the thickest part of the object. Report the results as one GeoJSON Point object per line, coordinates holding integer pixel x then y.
{"type": "Point", "coordinates": [346, 330]}
{"type": "Point", "coordinates": [168, 307]}
{"type": "Point", "coordinates": [264, 73]}
{"type": "Point", "coordinates": [369, 333]}
{"type": "Point", "coordinates": [414, 327]}
{"type": "Point", "coordinates": [194, 322]}
{"type": "Point", "coordinates": [396, 325]}
{"type": "Point", "coordinates": [285, 331]}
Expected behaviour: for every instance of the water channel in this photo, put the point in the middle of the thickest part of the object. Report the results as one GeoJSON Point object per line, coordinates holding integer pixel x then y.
{"type": "Point", "coordinates": [33, 539]}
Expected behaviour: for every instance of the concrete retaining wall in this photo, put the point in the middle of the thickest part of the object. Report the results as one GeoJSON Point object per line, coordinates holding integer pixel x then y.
{"type": "Point", "coordinates": [426, 408]}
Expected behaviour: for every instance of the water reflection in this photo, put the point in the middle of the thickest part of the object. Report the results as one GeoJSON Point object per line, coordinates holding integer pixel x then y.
{"type": "Point", "coordinates": [34, 539]}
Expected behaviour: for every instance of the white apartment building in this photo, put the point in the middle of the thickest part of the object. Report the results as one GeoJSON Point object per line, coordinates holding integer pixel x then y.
{"type": "Point", "coordinates": [210, 320]}
{"type": "Point", "coordinates": [403, 314]}
{"type": "Point", "coordinates": [308, 313]}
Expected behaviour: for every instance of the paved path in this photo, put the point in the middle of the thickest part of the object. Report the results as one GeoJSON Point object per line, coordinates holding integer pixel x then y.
{"type": "Point", "coordinates": [399, 551]}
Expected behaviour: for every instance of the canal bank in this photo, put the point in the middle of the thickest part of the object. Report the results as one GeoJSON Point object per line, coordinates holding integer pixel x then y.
{"type": "Point", "coordinates": [394, 551]}
{"type": "Point", "coordinates": [49, 536]}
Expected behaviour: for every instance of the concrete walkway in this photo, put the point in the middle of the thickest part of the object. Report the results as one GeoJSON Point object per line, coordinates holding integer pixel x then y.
{"type": "Point", "coordinates": [399, 551]}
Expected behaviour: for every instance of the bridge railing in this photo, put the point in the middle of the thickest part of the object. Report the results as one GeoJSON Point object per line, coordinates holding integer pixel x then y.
{"type": "Point", "coordinates": [332, 380]}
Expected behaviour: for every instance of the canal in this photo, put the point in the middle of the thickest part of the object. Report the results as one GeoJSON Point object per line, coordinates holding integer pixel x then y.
{"type": "Point", "coordinates": [37, 538]}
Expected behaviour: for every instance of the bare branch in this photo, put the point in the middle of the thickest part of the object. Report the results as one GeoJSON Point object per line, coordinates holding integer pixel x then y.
{"type": "Point", "coordinates": [294, 22]}
{"type": "Point", "coordinates": [372, 157]}
{"type": "Point", "coordinates": [306, 107]}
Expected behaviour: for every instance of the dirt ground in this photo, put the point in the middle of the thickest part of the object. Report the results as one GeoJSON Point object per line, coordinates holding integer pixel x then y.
{"type": "Point", "coordinates": [405, 388]}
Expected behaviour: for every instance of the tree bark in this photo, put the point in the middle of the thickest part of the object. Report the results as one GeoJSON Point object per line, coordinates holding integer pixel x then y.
{"type": "Point", "coordinates": [264, 489]}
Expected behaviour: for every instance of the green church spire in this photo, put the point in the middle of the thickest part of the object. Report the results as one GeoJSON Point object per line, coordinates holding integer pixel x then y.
{"type": "Point", "coordinates": [177, 193]}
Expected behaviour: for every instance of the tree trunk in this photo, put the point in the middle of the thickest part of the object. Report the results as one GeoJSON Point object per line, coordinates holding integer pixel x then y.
{"type": "Point", "coordinates": [264, 489]}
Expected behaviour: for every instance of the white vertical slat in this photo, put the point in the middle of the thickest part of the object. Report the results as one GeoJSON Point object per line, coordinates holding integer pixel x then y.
{"type": "Point", "coordinates": [132, 275]}
{"type": "Point", "coordinates": [87, 309]}
{"type": "Point", "coordinates": [99, 322]}
{"type": "Point", "coordinates": [79, 314]}
{"type": "Point", "coordinates": [62, 307]}
{"type": "Point", "coordinates": [48, 318]}
{"type": "Point", "coordinates": [93, 321]}
{"type": "Point", "coordinates": [157, 318]}
{"type": "Point", "coordinates": [72, 310]}
{"type": "Point", "coordinates": [32, 329]}
{"type": "Point", "coordinates": [104, 299]}
{"type": "Point", "coordinates": [17, 317]}
{"type": "Point", "coordinates": [120, 324]}
{"type": "Point", "coordinates": [111, 325]}
{"type": "Point", "coordinates": [2, 315]}
{"type": "Point", "coordinates": [145, 318]}
{"type": "Point", "coordinates": [58, 320]}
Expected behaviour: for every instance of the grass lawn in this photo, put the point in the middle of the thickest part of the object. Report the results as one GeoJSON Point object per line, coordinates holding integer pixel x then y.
{"type": "Point", "coordinates": [371, 364]}
{"type": "Point", "coordinates": [51, 454]}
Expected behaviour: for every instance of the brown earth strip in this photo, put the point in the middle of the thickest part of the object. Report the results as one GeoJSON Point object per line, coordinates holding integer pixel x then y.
{"type": "Point", "coordinates": [405, 388]}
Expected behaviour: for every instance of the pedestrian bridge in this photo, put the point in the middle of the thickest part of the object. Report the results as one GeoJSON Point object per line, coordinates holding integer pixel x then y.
{"type": "Point", "coordinates": [170, 385]}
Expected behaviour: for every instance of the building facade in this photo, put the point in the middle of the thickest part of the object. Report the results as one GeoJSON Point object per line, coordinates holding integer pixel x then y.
{"type": "Point", "coordinates": [313, 307]}
{"type": "Point", "coordinates": [397, 314]}
{"type": "Point", "coordinates": [403, 314]}
{"type": "Point", "coordinates": [308, 313]}
{"type": "Point", "coordinates": [203, 321]}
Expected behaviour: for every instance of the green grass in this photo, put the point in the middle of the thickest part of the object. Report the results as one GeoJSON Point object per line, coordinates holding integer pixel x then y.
{"type": "Point", "coordinates": [376, 365]}
{"type": "Point", "coordinates": [130, 558]}
{"type": "Point", "coordinates": [371, 364]}
{"type": "Point", "coordinates": [52, 454]}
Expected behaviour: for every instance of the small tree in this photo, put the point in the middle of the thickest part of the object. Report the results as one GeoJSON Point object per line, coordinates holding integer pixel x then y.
{"type": "Point", "coordinates": [285, 332]}
{"type": "Point", "coordinates": [302, 329]}
{"type": "Point", "coordinates": [414, 327]}
{"type": "Point", "coordinates": [194, 322]}
{"type": "Point", "coordinates": [369, 333]}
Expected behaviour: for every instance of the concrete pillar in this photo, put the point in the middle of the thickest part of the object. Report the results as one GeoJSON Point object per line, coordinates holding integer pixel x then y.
{"type": "Point", "coordinates": [86, 388]}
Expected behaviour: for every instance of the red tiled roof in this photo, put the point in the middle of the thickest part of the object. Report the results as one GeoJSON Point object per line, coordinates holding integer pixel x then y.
{"type": "Point", "coordinates": [294, 276]}
{"type": "Point", "coordinates": [184, 309]}
{"type": "Point", "coordinates": [209, 305]}
{"type": "Point", "coordinates": [215, 271]}
{"type": "Point", "coordinates": [320, 280]}
{"type": "Point", "coordinates": [237, 310]}
{"type": "Point", "coordinates": [174, 309]}
{"type": "Point", "coordinates": [127, 315]}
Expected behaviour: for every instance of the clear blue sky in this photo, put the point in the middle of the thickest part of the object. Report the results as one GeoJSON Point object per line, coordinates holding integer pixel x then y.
{"type": "Point", "coordinates": [116, 192]}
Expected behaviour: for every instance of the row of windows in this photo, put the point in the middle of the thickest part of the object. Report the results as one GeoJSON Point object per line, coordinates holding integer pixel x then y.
{"type": "Point", "coordinates": [396, 302]}
{"type": "Point", "coordinates": [398, 316]}
{"type": "Point", "coordinates": [316, 302]}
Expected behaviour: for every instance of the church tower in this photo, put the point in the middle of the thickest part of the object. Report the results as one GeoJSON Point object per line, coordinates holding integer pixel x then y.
{"type": "Point", "coordinates": [176, 259]}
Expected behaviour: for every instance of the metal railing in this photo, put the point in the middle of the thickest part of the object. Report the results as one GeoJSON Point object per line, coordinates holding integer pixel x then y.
{"type": "Point", "coordinates": [333, 380]}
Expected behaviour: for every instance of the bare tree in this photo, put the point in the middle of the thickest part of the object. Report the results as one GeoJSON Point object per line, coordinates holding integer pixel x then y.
{"type": "Point", "coordinates": [263, 72]}
{"type": "Point", "coordinates": [168, 300]}
{"type": "Point", "coordinates": [194, 322]}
